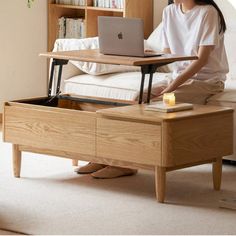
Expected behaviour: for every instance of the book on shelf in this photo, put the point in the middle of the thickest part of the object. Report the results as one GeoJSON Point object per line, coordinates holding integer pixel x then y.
{"type": "Point", "coordinates": [72, 2]}
{"type": "Point", "coordinates": [161, 107]}
{"type": "Point", "coordinates": [119, 4]}
{"type": "Point", "coordinates": [62, 27]}
{"type": "Point", "coordinates": [71, 28]}
{"type": "Point", "coordinates": [109, 3]}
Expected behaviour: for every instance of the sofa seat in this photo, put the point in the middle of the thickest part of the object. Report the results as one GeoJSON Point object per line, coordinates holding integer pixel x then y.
{"type": "Point", "coordinates": [227, 99]}
{"type": "Point", "coordinates": [121, 86]}
{"type": "Point", "coordinates": [229, 94]}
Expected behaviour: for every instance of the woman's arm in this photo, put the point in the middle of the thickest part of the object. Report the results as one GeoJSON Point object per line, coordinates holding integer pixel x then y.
{"type": "Point", "coordinates": [167, 51]}
{"type": "Point", "coordinates": [203, 56]}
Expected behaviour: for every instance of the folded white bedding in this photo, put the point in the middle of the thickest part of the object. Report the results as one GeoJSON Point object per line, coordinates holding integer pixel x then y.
{"type": "Point", "coordinates": [89, 67]}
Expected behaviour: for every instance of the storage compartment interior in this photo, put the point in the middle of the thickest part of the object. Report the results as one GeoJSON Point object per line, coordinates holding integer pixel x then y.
{"type": "Point", "coordinates": [79, 103]}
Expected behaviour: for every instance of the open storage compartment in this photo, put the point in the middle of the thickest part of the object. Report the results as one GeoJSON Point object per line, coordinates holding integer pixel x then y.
{"type": "Point", "coordinates": [53, 124]}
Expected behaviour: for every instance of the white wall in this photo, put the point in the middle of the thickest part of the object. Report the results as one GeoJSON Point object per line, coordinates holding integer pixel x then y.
{"type": "Point", "coordinates": [23, 36]}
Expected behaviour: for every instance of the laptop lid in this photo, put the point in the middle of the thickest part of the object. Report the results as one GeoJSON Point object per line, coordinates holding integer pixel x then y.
{"type": "Point", "coordinates": [121, 36]}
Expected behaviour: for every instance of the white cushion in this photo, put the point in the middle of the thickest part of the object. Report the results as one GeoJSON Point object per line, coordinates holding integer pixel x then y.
{"type": "Point", "coordinates": [230, 84]}
{"type": "Point", "coordinates": [121, 86]}
{"type": "Point", "coordinates": [88, 67]}
{"type": "Point", "coordinates": [229, 13]}
{"type": "Point", "coordinates": [230, 38]}
{"type": "Point", "coordinates": [154, 42]}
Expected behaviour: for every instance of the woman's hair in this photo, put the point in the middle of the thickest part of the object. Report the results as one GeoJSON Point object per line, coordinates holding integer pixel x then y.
{"type": "Point", "coordinates": [211, 2]}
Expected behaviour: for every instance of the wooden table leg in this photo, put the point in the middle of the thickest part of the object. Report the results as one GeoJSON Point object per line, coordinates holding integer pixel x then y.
{"type": "Point", "coordinates": [217, 173]}
{"type": "Point", "coordinates": [160, 181]}
{"type": "Point", "coordinates": [75, 162]}
{"type": "Point", "coordinates": [16, 160]}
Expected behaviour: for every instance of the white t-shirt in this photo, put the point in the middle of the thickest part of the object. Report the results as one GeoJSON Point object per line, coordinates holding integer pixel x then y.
{"type": "Point", "coordinates": [183, 33]}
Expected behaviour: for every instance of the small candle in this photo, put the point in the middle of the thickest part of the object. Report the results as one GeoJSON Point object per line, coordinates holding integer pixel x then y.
{"type": "Point", "coordinates": [169, 99]}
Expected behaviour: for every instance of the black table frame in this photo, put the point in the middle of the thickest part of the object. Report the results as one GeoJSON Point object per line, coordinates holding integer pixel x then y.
{"type": "Point", "coordinates": [148, 69]}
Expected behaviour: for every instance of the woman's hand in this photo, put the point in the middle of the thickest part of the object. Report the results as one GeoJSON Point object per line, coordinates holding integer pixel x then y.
{"type": "Point", "coordinates": [158, 93]}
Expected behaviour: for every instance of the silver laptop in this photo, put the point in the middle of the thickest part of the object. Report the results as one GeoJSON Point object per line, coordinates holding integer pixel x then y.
{"type": "Point", "coordinates": [122, 36]}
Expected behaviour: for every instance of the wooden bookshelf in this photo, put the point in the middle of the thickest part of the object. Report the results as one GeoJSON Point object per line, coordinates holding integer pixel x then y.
{"type": "Point", "coordinates": [132, 9]}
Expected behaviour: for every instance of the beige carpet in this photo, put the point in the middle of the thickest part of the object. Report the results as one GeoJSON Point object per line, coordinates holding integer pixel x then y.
{"type": "Point", "coordinates": [4, 232]}
{"type": "Point", "coordinates": [51, 199]}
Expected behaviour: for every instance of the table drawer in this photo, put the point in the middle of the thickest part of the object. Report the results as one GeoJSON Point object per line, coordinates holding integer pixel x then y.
{"type": "Point", "coordinates": [50, 128]}
{"type": "Point", "coordinates": [129, 141]}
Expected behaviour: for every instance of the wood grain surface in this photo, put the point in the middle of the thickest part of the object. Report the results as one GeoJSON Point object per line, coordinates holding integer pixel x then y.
{"type": "Point", "coordinates": [47, 128]}
{"type": "Point", "coordinates": [93, 55]}
{"type": "Point", "coordinates": [139, 114]}
{"type": "Point", "coordinates": [129, 141]}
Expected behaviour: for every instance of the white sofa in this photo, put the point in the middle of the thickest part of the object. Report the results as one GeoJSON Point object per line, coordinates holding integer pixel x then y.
{"type": "Point", "coordinates": [227, 99]}
{"type": "Point", "coordinates": [125, 85]}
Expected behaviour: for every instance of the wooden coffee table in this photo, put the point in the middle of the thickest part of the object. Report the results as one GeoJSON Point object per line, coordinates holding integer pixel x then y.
{"type": "Point", "coordinates": [166, 142]}
{"type": "Point", "coordinates": [128, 136]}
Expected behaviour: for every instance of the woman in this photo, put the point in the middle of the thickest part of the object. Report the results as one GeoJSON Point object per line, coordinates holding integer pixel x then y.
{"type": "Point", "coordinates": [190, 27]}
{"type": "Point", "coordinates": [196, 27]}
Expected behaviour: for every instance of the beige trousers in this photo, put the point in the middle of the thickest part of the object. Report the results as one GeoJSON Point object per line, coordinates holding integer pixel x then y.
{"type": "Point", "coordinates": [198, 91]}
{"type": "Point", "coordinates": [193, 91]}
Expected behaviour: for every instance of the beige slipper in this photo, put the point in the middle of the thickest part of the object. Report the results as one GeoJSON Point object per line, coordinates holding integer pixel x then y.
{"type": "Point", "coordinates": [111, 172]}
{"type": "Point", "coordinates": [89, 168]}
